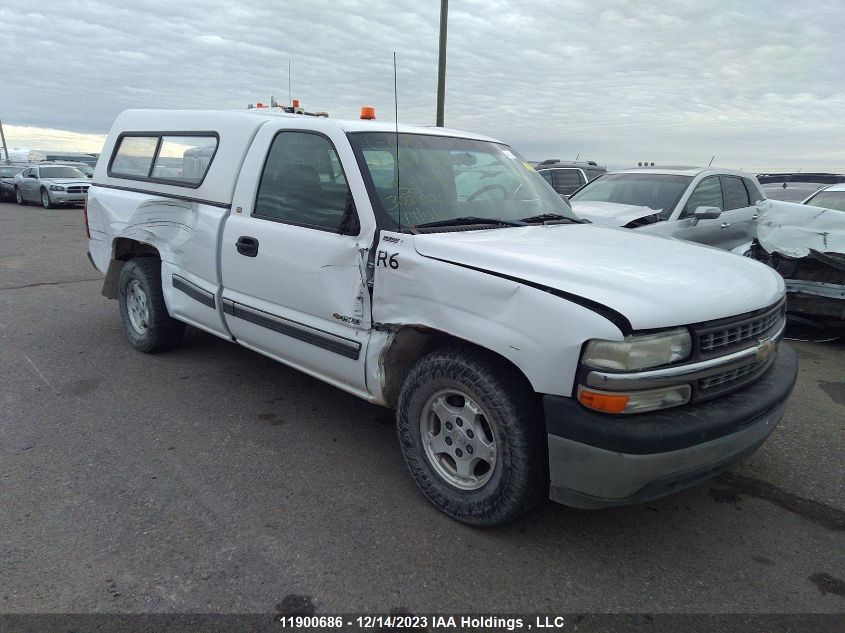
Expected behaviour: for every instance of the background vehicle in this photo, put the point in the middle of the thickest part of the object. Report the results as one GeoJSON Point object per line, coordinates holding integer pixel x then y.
{"type": "Point", "coordinates": [567, 177]}
{"type": "Point", "coordinates": [51, 185]}
{"type": "Point", "coordinates": [831, 197]}
{"type": "Point", "coordinates": [795, 187]}
{"type": "Point", "coordinates": [7, 181]}
{"type": "Point", "coordinates": [429, 270]}
{"type": "Point", "coordinates": [700, 204]}
{"type": "Point", "coordinates": [805, 243]}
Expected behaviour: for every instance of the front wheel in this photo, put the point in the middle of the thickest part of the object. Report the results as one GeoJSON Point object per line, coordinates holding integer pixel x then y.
{"type": "Point", "coordinates": [471, 432]}
{"type": "Point", "coordinates": [19, 197]}
{"type": "Point", "coordinates": [149, 326]}
{"type": "Point", "coordinates": [45, 199]}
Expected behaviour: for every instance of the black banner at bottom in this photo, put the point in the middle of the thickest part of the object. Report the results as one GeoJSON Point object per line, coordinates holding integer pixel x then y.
{"type": "Point", "coordinates": [433, 623]}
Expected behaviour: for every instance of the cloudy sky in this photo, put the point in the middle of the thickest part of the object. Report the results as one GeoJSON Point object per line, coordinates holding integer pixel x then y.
{"type": "Point", "coordinates": [758, 83]}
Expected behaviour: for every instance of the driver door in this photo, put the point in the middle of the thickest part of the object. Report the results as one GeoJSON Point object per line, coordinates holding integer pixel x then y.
{"type": "Point", "coordinates": [293, 257]}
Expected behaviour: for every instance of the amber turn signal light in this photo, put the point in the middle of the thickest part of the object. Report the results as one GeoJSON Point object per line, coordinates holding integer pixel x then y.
{"type": "Point", "coordinates": [607, 402]}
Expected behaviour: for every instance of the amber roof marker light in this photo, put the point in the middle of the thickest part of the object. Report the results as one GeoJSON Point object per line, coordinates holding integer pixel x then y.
{"type": "Point", "coordinates": [368, 113]}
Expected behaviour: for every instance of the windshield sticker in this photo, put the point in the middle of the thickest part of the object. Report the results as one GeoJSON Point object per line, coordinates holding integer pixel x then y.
{"type": "Point", "coordinates": [527, 166]}
{"type": "Point", "coordinates": [509, 154]}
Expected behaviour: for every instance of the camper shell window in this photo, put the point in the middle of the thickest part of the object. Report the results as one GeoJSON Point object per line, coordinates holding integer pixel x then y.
{"type": "Point", "coordinates": [172, 158]}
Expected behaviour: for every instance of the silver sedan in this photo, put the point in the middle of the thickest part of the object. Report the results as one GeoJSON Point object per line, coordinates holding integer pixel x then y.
{"type": "Point", "coordinates": [51, 185]}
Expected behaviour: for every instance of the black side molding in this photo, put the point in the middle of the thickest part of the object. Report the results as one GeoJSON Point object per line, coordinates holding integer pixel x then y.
{"type": "Point", "coordinates": [194, 291]}
{"type": "Point", "coordinates": [319, 338]}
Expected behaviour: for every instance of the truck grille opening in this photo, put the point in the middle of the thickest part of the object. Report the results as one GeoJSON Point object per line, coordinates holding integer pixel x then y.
{"type": "Point", "coordinates": [728, 378]}
{"type": "Point", "coordinates": [720, 337]}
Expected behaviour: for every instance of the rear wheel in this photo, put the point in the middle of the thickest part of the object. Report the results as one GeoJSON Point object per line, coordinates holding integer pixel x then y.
{"type": "Point", "coordinates": [45, 199]}
{"type": "Point", "coordinates": [472, 436]}
{"type": "Point", "coordinates": [148, 325]}
{"type": "Point", "coordinates": [19, 198]}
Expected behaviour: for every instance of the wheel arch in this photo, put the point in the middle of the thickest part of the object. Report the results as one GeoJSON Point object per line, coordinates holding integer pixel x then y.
{"type": "Point", "coordinates": [409, 343]}
{"type": "Point", "coordinates": [123, 250]}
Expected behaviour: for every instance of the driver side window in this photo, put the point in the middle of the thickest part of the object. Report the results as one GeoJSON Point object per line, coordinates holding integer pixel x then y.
{"type": "Point", "coordinates": [708, 193]}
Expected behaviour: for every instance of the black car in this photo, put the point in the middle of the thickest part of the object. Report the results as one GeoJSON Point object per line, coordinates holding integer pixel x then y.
{"type": "Point", "coordinates": [7, 181]}
{"type": "Point", "coordinates": [566, 177]}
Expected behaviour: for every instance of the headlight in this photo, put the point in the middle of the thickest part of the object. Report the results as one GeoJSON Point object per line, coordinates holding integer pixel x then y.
{"type": "Point", "coordinates": [56, 188]}
{"type": "Point", "coordinates": [639, 352]}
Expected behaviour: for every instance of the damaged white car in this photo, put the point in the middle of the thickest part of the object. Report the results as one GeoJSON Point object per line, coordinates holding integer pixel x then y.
{"type": "Point", "coordinates": [699, 204]}
{"type": "Point", "coordinates": [526, 353]}
{"type": "Point", "coordinates": [806, 245]}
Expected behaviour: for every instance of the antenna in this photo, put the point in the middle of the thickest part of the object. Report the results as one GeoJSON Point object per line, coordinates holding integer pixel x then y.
{"type": "Point", "coordinates": [711, 160]}
{"type": "Point", "coordinates": [576, 156]}
{"type": "Point", "coordinates": [396, 128]}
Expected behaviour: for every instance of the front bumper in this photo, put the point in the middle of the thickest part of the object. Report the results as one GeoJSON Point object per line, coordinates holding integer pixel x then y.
{"type": "Point", "coordinates": [63, 197]}
{"type": "Point", "coordinates": [598, 460]}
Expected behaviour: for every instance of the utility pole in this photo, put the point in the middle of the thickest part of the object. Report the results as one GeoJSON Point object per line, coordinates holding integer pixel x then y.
{"type": "Point", "coordinates": [5, 148]}
{"type": "Point", "coordinates": [441, 64]}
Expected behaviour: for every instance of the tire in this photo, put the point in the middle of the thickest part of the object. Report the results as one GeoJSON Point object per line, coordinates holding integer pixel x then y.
{"type": "Point", "coordinates": [148, 325]}
{"type": "Point", "coordinates": [45, 199]}
{"type": "Point", "coordinates": [502, 411]}
{"type": "Point", "coordinates": [19, 197]}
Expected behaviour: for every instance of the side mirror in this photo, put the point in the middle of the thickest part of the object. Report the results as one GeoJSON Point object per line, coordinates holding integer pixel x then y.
{"type": "Point", "coordinates": [90, 175]}
{"type": "Point", "coordinates": [705, 213]}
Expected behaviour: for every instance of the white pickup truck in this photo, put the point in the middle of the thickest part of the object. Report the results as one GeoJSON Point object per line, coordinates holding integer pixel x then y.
{"type": "Point", "coordinates": [526, 353]}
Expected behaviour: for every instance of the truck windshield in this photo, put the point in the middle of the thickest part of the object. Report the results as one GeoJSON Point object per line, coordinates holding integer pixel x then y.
{"type": "Point", "coordinates": [440, 179]}
{"type": "Point", "coordinates": [660, 192]}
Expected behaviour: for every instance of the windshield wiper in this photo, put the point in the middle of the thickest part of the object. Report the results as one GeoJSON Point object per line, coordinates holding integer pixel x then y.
{"type": "Point", "coordinates": [468, 220]}
{"type": "Point", "coordinates": [546, 218]}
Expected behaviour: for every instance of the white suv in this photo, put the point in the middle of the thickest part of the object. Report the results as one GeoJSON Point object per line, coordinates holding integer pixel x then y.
{"type": "Point", "coordinates": [700, 204]}
{"type": "Point", "coordinates": [526, 353]}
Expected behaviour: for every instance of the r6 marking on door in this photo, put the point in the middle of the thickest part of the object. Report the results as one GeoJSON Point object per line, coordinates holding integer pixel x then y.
{"type": "Point", "coordinates": [383, 259]}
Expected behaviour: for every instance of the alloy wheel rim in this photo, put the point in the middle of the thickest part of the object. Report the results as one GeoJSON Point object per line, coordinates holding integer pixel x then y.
{"type": "Point", "coordinates": [459, 439]}
{"type": "Point", "coordinates": [137, 307]}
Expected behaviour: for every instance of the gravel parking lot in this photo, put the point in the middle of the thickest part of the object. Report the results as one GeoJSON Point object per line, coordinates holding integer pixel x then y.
{"type": "Point", "coordinates": [212, 479]}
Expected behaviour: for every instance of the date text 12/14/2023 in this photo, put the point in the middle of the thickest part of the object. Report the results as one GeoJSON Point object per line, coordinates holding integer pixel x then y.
{"type": "Point", "coordinates": [421, 622]}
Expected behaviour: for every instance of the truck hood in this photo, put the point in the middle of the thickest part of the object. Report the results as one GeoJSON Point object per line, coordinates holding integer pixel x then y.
{"type": "Point", "coordinates": [652, 280]}
{"type": "Point", "coordinates": [610, 213]}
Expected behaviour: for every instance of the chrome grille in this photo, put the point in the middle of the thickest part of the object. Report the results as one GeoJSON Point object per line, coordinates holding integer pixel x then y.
{"type": "Point", "coordinates": [741, 330]}
{"type": "Point", "coordinates": [725, 379]}
{"type": "Point", "coordinates": [78, 189]}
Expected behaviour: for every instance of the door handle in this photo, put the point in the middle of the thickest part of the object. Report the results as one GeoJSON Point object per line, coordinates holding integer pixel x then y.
{"type": "Point", "coordinates": [247, 246]}
{"type": "Point", "coordinates": [725, 225]}
{"type": "Point", "coordinates": [755, 216]}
